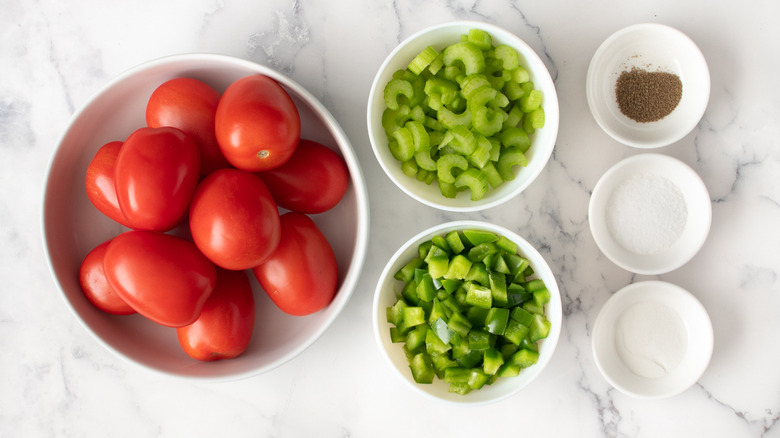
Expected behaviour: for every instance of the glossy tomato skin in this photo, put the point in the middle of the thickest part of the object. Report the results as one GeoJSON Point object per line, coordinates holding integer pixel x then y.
{"type": "Point", "coordinates": [92, 279]}
{"type": "Point", "coordinates": [301, 276]}
{"type": "Point", "coordinates": [226, 323]}
{"type": "Point", "coordinates": [155, 176]}
{"type": "Point", "coordinates": [234, 220]}
{"type": "Point", "coordinates": [100, 187]}
{"type": "Point", "coordinates": [257, 124]}
{"type": "Point", "coordinates": [189, 105]}
{"type": "Point", "coordinates": [312, 181]}
{"type": "Point", "coordinates": [163, 277]}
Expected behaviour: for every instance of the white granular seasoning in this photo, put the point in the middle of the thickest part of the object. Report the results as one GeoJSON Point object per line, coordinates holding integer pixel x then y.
{"type": "Point", "coordinates": [651, 339]}
{"type": "Point", "coordinates": [646, 214]}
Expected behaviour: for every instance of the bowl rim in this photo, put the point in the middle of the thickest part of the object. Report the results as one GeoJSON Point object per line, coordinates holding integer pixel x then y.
{"type": "Point", "coordinates": [551, 106]}
{"type": "Point", "coordinates": [554, 310]}
{"type": "Point", "coordinates": [599, 197]}
{"type": "Point", "coordinates": [664, 293]}
{"type": "Point", "coordinates": [359, 249]}
{"type": "Point", "coordinates": [703, 81]}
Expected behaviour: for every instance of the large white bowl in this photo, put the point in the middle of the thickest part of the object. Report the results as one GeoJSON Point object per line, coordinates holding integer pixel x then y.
{"type": "Point", "coordinates": [696, 332]}
{"type": "Point", "coordinates": [72, 226]}
{"type": "Point", "coordinates": [693, 234]}
{"type": "Point", "coordinates": [542, 141]}
{"type": "Point", "coordinates": [651, 47]}
{"type": "Point", "coordinates": [385, 296]}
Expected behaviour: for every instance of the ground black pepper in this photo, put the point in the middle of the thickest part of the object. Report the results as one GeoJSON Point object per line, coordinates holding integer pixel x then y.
{"type": "Point", "coordinates": [646, 96]}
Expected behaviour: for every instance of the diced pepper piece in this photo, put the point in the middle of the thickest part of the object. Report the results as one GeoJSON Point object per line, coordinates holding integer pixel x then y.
{"type": "Point", "coordinates": [498, 288]}
{"type": "Point", "coordinates": [496, 320]}
{"type": "Point", "coordinates": [479, 340]}
{"type": "Point", "coordinates": [435, 345]}
{"type": "Point", "coordinates": [477, 316]}
{"type": "Point", "coordinates": [395, 312]}
{"type": "Point", "coordinates": [508, 370]}
{"type": "Point", "coordinates": [440, 363]}
{"type": "Point", "coordinates": [524, 358]}
{"type": "Point", "coordinates": [459, 324]}
{"type": "Point", "coordinates": [477, 237]}
{"type": "Point", "coordinates": [532, 307]}
{"type": "Point", "coordinates": [499, 265]}
{"type": "Point", "coordinates": [457, 375]}
{"type": "Point", "coordinates": [479, 274]}
{"type": "Point", "coordinates": [413, 316]}
{"type": "Point", "coordinates": [423, 59]}
{"type": "Point", "coordinates": [396, 336]}
{"type": "Point", "coordinates": [458, 268]}
{"type": "Point", "coordinates": [437, 312]}
{"type": "Point", "coordinates": [506, 244]}
{"type": "Point", "coordinates": [507, 350]}
{"type": "Point", "coordinates": [541, 297]}
{"type": "Point", "coordinates": [534, 285]}
{"type": "Point", "coordinates": [540, 328]}
{"type": "Point", "coordinates": [515, 332]}
{"type": "Point", "coordinates": [516, 264]}
{"type": "Point", "coordinates": [425, 288]}
{"type": "Point", "coordinates": [492, 361]}
{"type": "Point", "coordinates": [459, 388]}
{"type": "Point", "coordinates": [409, 293]}
{"type": "Point", "coordinates": [422, 368]}
{"type": "Point", "coordinates": [415, 339]}
{"type": "Point", "coordinates": [479, 296]}
{"type": "Point", "coordinates": [450, 285]}
{"type": "Point", "coordinates": [522, 316]}
{"type": "Point", "coordinates": [471, 359]}
{"type": "Point", "coordinates": [442, 330]}
{"type": "Point", "coordinates": [477, 378]}
{"type": "Point", "coordinates": [453, 240]}
{"type": "Point", "coordinates": [482, 250]}
{"type": "Point", "coordinates": [406, 273]}
{"type": "Point", "coordinates": [438, 265]}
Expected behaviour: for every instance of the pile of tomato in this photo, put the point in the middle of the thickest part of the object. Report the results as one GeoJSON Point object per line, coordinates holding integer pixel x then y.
{"type": "Point", "coordinates": [216, 187]}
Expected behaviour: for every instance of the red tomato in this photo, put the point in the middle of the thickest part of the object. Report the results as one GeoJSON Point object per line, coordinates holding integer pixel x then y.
{"type": "Point", "coordinates": [301, 276]}
{"type": "Point", "coordinates": [312, 181]}
{"type": "Point", "coordinates": [190, 105]}
{"type": "Point", "coordinates": [95, 285]}
{"type": "Point", "coordinates": [257, 124]}
{"type": "Point", "coordinates": [226, 323]}
{"type": "Point", "coordinates": [163, 277]}
{"type": "Point", "coordinates": [100, 182]}
{"type": "Point", "coordinates": [234, 220]}
{"type": "Point", "coordinates": [155, 175]}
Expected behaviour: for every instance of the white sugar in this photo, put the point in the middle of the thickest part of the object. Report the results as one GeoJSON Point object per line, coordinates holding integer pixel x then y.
{"type": "Point", "coordinates": [650, 339]}
{"type": "Point", "coordinates": [646, 214]}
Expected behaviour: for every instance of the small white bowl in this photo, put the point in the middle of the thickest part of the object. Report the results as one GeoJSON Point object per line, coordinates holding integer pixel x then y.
{"type": "Point", "coordinates": [72, 226]}
{"type": "Point", "coordinates": [692, 235]}
{"type": "Point", "coordinates": [651, 47]}
{"type": "Point", "coordinates": [542, 142]}
{"type": "Point", "coordinates": [683, 308]}
{"type": "Point", "coordinates": [385, 296]}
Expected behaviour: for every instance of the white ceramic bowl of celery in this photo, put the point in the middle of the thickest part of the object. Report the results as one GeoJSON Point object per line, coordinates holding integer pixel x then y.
{"type": "Point", "coordinates": [542, 141]}
{"type": "Point", "coordinates": [386, 295]}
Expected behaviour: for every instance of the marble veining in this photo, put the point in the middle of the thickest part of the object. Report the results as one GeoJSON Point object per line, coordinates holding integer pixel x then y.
{"type": "Point", "coordinates": [58, 381]}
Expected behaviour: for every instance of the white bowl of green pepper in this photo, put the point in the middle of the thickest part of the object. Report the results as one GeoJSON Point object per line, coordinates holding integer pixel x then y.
{"type": "Point", "coordinates": [467, 312]}
{"type": "Point", "coordinates": [463, 116]}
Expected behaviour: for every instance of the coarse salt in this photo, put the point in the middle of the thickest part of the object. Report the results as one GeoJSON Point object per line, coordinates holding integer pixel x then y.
{"type": "Point", "coordinates": [646, 214]}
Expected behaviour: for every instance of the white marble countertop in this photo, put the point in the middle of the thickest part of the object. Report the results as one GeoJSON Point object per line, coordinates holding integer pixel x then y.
{"type": "Point", "coordinates": [58, 381]}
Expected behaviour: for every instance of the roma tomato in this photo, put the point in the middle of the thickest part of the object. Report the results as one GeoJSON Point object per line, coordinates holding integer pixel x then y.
{"type": "Point", "coordinates": [101, 190]}
{"type": "Point", "coordinates": [226, 323]}
{"type": "Point", "coordinates": [190, 105]}
{"type": "Point", "coordinates": [155, 176]}
{"type": "Point", "coordinates": [93, 282]}
{"type": "Point", "coordinates": [301, 276]}
{"type": "Point", "coordinates": [234, 220]}
{"type": "Point", "coordinates": [312, 181]}
{"type": "Point", "coordinates": [163, 277]}
{"type": "Point", "coordinates": [257, 124]}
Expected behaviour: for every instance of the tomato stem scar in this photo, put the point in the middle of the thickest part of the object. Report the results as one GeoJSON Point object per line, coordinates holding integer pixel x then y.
{"type": "Point", "coordinates": [262, 154]}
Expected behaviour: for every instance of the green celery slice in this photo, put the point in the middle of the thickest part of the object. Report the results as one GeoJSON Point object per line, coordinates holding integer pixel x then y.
{"type": "Point", "coordinates": [467, 53]}
{"type": "Point", "coordinates": [475, 180]}
{"type": "Point", "coordinates": [446, 164]}
{"type": "Point", "coordinates": [510, 157]}
{"type": "Point", "coordinates": [395, 90]}
{"type": "Point", "coordinates": [423, 60]}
